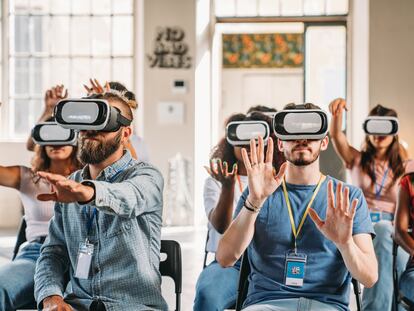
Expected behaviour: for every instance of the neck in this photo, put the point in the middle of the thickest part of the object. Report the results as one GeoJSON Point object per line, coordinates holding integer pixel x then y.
{"type": "Point", "coordinates": [381, 154]}
{"type": "Point", "coordinates": [303, 175]}
{"type": "Point", "coordinates": [96, 169]}
{"type": "Point", "coordinates": [61, 167]}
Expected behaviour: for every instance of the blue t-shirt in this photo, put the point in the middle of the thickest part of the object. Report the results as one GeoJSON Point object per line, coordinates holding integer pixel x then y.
{"type": "Point", "coordinates": [326, 276]}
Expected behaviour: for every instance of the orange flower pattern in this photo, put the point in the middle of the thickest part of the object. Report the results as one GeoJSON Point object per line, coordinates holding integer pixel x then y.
{"type": "Point", "coordinates": [281, 50]}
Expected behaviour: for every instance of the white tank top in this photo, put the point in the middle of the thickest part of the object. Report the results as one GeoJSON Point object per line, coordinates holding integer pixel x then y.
{"type": "Point", "coordinates": [37, 213]}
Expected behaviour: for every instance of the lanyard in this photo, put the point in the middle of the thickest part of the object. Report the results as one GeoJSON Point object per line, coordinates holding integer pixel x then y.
{"type": "Point", "coordinates": [94, 212]}
{"type": "Point", "coordinates": [239, 182]}
{"type": "Point", "coordinates": [378, 190]}
{"type": "Point", "coordinates": [305, 214]}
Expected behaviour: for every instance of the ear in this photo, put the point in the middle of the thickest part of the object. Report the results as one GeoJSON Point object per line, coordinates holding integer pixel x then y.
{"type": "Point", "coordinates": [280, 145]}
{"type": "Point", "coordinates": [325, 143]}
{"type": "Point", "coordinates": [126, 133]}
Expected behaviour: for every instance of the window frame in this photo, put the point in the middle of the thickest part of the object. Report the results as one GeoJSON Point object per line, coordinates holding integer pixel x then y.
{"type": "Point", "coordinates": [7, 118]}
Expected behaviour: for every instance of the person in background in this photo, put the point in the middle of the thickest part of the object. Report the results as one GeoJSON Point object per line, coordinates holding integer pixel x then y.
{"type": "Point", "coordinates": [216, 287]}
{"type": "Point", "coordinates": [17, 277]}
{"type": "Point", "coordinates": [404, 236]}
{"type": "Point", "coordinates": [376, 169]}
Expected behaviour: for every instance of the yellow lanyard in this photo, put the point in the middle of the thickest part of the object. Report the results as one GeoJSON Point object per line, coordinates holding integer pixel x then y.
{"type": "Point", "coordinates": [292, 221]}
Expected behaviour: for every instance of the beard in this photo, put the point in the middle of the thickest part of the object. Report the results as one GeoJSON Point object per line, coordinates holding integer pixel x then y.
{"type": "Point", "coordinates": [95, 151]}
{"type": "Point", "coordinates": [302, 159]}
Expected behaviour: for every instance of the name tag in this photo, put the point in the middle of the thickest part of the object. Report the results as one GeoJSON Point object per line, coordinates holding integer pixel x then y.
{"type": "Point", "coordinates": [84, 260]}
{"type": "Point", "coordinates": [295, 269]}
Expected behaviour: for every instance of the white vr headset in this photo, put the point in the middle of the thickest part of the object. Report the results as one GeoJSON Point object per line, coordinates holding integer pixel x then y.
{"type": "Point", "coordinates": [381, 126]}
{"type": "Point", "coordinates": [51, 134]}
{"type": "Point", "coordinates": [239, 133]}
{"type": "Point", "coordinates": [300, 124]}
{"type": "Point", "coordinates": [89, 114]}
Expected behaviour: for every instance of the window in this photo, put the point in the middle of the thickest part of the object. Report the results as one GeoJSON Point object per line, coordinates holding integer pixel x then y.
{"type": "Point", "coordinates": [274, 8]}
{"type": "Point", "coordinates": [62, 42]}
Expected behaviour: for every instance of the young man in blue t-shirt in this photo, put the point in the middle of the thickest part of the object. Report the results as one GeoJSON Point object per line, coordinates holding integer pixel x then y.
{"type": "Point", "coordinates": [299, 262]}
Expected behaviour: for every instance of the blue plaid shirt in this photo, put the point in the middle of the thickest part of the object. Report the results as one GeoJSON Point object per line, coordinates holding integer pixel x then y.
{"type": "Point", "coordinates": [125, 233]}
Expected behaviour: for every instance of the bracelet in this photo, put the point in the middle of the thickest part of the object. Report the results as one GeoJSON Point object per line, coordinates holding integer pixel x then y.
{"type": "Point", "coordinates": [251, 207]}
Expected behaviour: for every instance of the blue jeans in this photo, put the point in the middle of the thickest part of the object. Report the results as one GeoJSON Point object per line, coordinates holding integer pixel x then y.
{"type": "Point", "coordinates": [407, 283]}
{"type": "Point", "coordinates": [216, 288]}
{"type": "Point", "coordinates": [17, 279]}
{"type": "Point", "coordinates": [297, 304]}
{"type": "Point", "coordinates": [380, 296]}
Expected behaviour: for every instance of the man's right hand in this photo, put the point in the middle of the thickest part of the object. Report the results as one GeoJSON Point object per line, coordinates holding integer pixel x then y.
{"type": "Point", "coordinates": [55, 303]}
{"type": "Point", "coordinates": [261, 175]}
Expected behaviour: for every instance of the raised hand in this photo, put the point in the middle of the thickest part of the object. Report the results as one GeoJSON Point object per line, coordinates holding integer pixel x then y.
{"type": "Point", "coordinates": [337, 106]}
{"type": "Point", "coordinates": [65, 190]}
{"type": "Point", "coordinates": [261, 175]}
{"type": "Point", "coordinates": [337, 226]}
{"type": "Point", "coordinates": [96, 87]}
{"type": "Point", "coordinates": [220, 172]}
{"type": "Point", "coordinates": [54, 95]}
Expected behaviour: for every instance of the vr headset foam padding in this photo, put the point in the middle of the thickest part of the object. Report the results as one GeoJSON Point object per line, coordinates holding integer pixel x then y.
{"type": "Point", "coordinates": [300, 124]}
{"type": "Point", "coordinates": [50, 133]}
{"type": "Point", "coordinates": [239, 133]}
{"type": "Point", "coordinates": [89, 114]}
{"type": "Point", "coordinates": [381, 126]}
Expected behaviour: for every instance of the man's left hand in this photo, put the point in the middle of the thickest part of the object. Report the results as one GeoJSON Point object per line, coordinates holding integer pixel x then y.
{"type": "Point", "coordinates": [65, 190]}
{"type": "Point", "coordinates": [337, 226]}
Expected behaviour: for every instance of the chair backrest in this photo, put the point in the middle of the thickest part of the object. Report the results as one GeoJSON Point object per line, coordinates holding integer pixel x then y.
{"type": "Point", "coordinates": [172, 266]}
{"type": "Point", "coordinates": [244, 284]}
{"type": "Point", "coordinates": [21, 237]}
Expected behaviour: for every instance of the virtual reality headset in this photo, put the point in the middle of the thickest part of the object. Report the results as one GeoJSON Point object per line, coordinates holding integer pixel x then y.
{"type": "Point", "coordinates": [239, 133]}
{"type": "Point", "coordinates": [300, 124]}
{"type": "Point", "coordinates": [51, 134]}
{"type": "Point", "coordinates": [381, 126]}
{"type": "Point", "coordinates": [89, 114]}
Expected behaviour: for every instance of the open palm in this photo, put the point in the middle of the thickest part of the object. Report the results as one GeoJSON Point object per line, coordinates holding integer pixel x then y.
{"type": "Point", "coordinates": [261, 175]}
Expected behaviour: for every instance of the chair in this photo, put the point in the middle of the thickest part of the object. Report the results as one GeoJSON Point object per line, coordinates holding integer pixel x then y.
{"type": "Point", "coordinates": [399, 299]}
{"type": "Point", "coordinates": [244, 284]}
{"type": "Point", "coordinates": [171, 266]}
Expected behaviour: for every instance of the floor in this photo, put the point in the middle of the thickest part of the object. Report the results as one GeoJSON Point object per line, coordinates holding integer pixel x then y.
{"type": "Point", "coordinates": [192, 247]}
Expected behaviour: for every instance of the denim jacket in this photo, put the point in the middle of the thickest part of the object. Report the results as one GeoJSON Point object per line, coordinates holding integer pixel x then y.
{"type": "Point", "coordinates": [125, 233]}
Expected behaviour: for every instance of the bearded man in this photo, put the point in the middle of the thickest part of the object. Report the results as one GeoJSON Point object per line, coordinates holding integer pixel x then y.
{"type": "Point", "coordinates": [103, 248]}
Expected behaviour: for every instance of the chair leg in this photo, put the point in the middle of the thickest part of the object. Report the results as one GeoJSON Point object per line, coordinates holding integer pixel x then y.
{"type": "Point", "coordinates": [178, 301]}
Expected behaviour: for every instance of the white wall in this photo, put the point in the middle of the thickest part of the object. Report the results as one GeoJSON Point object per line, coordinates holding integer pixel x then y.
{"type": "Point", "coordinates": [391, 62]}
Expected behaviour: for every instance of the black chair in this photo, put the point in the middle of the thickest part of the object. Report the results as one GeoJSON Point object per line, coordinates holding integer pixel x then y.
{"type": "Point", "coordinates": [398, 299]}
{"type": "Point", "coordinates": [244, 284]}
{"type": "Point", "coordinates": [170, 267]}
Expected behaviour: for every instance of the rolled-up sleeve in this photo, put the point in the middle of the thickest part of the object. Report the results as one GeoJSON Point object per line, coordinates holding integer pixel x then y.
{"type": "Point", "coordinates": [52, 265]}
{"type": "Point", "coordinates": [130, 198]}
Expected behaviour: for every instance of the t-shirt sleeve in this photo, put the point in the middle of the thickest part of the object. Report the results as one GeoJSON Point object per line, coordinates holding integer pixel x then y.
{"type": "Point", "coordinates": [241, 201]}
{"type": "Point", "coordinates": [362, 219]}
{"type": "Point", "coordinates": [212, 190]}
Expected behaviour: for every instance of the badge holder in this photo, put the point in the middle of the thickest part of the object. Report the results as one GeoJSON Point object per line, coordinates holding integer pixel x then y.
{"type": "Point", "coordinates": [375, 216]}
{"type": "Point", "coordinates": [295, 268]}
{"type": "Point", "coordinates": [84, 260]}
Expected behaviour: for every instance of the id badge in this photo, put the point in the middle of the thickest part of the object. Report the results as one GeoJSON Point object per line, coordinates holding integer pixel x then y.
{"type": "Point", "coordinates": [84, 260]}
{"type": "Point", "coordinates": [295, 269]}
{"type": "Point", "coordinates": [375, 216]}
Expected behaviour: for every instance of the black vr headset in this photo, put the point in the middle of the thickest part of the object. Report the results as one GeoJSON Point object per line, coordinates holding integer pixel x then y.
{"type": "Point", "coordinates": [239, 133]}
{"type": "Point", "coordinates": [381, 126]}
{"type": "Point", "coordinates": [89, 114]}
{"type": "Point", "coordinates": [300, 124]}
{"type": "Point", "coordinates": [51, 134]}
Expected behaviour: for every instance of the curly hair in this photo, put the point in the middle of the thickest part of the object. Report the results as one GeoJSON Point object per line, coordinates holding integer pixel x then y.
{"type": "Point", "coordinates": [393, 153]}
{"type": "Point", "coordinates": [225, 151]}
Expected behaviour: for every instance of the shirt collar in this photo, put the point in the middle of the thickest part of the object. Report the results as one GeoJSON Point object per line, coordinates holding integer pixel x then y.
{"type": "Point", "coordinates": [112, 170]}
